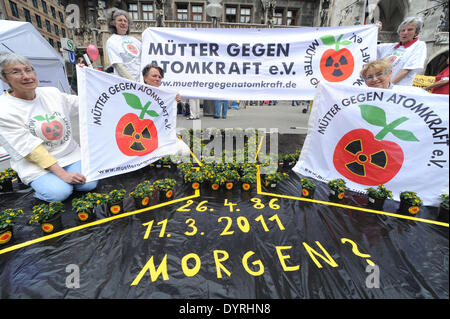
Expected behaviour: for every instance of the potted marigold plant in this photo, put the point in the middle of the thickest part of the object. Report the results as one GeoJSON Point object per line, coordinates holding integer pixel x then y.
{"type": "Point", "coordinates": [195, 178]}
{"type": "Point", "coordinates": [144, 195]}
{"type": "Point", "coordinates": [7, 221]}
{"type": "Point", "coordinates": [49, 216]}
{"type": "Point", "coordinates": [6, 178]}
{"type": "Point", "coordinates": [409, 203]}
{"type": "Point", "coordinates": [231, 177]}
{"type": "Point", "coordinates": [248, 180]}
{"type": "Point", "coordinates": [84, 206]}
{"type": "Point", "coordinates": [272, 180]}
{"type": "Point", "coordinates": [308, 187]}
{"type": "Point", "coordinates": [443, 208]}
{"type": "Point", "coordinates": [165, 187]}
{"type": "Point", "coordinates": [289, 160]}
{"type": "Point", "coordinates": [377, 196]}
{"type": "Point", "coordinates": [337, 189]}
{"type": "Point", "coordinates": [114, 201]}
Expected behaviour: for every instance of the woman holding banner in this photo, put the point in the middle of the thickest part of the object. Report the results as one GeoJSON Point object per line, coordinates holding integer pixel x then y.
{"type": "Point", "coordinates": [378, 74]}
{"type": "Point", "coordinates": [152, 75]}
{"type": "Point", "coordinates": [36, 132]}
{"type": "Point", "coordinates": [124, 51]}
{"type": "Point", "coordinates": [407, 56]}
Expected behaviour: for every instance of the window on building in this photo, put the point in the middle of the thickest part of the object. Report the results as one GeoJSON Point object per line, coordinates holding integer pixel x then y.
{"type": "Point", "coordinates": [35, 4]}
{"type": "Point", "coordinates": [133, 11]}
{"type": "Point", "coordinates": [58, 44]}
{"type": "Point", "coordinates": [278, 17]}
{"type": "Point", "coordinates": [147, 12]}
{"type": "Point", "coordinates": [61, 16]}
{"type": "Point", "coordinates": [14, 10]}
{"type": "Point", "coordinates": [56, 29]}
{"type": "Point", "coordinates": [182, 11]}
{"type": "Point", "coordinates": [197, 12]}
{"type": "Point", "coordinates": [63, 32]}
{"type": "Point", "coordinates": [52, 43]}
{"type": "Point", "coordinates": [245, 15]}
{"type": "Point", "coordinates": [44, 6]}
{"type": "Point", "coordinates": [52, 9]}
{"type": "Point", "coordinates": [38, 20]}
{"type": "Point", "coordinates": [291, 17]}
{"type": "Point", "coordinates": [230, 14]}
{"type": "Point", "coordinates": [27, 15]}
{"type": "Point", "coordinates": [48, 25]}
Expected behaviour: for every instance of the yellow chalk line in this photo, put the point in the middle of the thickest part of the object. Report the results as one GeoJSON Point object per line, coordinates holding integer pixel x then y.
{"type": "Point", "coordinates": [96, 222]}
{"type": "Point", "coordinates": [259, 192]}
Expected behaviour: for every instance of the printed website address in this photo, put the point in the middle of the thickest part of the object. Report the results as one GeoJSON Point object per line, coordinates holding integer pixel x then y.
{"type": "Point", "coordinates": [128, 167]}
{"type": "Point", "coordinates": [225, 85]}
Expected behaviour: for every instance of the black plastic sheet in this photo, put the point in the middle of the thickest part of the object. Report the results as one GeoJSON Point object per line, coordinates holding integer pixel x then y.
{"type": "Point", "coordinates": [235, 244]}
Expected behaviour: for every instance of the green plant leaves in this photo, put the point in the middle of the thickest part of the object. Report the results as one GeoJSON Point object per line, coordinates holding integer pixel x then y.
{"type": "Point", "coordinates": [376, 116]}
{"type": "Point", "coordinates": [405, 135]}
{"type": "Point", "coordinates": [134, 101]}
{"type": "Point", "coordinates": [373, 115]}
{"type": "Point", "coordinates": [152, 113]}
{"type": "Point", "coordinates": [328, 40]}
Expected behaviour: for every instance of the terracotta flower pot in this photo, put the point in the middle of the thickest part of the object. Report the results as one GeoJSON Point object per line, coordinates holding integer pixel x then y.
{"type": "Point", "coordinates": [52, 225]}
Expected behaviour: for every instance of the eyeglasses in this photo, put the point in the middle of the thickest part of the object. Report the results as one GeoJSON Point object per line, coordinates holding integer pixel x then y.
{"type": "Point", "coordinates": [374, 76]}
{"type": "Point", "coordinates": [18, 73]}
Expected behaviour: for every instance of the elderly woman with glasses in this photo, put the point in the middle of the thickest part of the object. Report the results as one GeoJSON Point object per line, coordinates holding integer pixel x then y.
{"type": "Point", "coordinates": [35, 130]}
{"type": "Point", "coordinates": [377, 74]}
{"type": "Point", "coordinates": [406, 56]}
{"type": "Point", "coordinates": [124, 51]}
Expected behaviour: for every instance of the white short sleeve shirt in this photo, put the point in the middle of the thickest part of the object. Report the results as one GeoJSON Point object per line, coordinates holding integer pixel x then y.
{"type": "Point", "coordinates": [412, 58]}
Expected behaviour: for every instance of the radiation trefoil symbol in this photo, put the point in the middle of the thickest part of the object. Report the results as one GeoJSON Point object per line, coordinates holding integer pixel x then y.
{"type": "Point", "coordinates": [367, 159]}
{"type": "Point", "coordinates": [136, 135]}
{"type": "Point", "coordinates": [336, 64]}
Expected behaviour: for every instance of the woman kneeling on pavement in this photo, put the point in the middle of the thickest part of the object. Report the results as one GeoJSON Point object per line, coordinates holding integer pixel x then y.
{"type": "Point", "coordinates": [35, 130]}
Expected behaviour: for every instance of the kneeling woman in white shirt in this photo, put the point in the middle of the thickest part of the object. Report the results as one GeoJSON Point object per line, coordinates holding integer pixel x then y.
{"type": "Point", "coordinates": [35, 130]}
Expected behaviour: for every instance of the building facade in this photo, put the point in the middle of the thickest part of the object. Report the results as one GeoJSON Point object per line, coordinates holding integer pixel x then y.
{"type": "Point", "coordinates": [85, 20]}
{"type": "Point", "coordinates": [47, 16]}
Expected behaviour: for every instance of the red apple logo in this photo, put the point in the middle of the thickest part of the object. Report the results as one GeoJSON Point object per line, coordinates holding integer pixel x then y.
{"type": "Point", "coordinates": [136, 135]}
{"type": "Point", "coordinates": [367, 159]}
{"type": "Point", "coordinates": [336, 64]}
{"type": "Point", "coordinates": [51, 129]}
{"type": "Point", "coordinates": [131, 48]}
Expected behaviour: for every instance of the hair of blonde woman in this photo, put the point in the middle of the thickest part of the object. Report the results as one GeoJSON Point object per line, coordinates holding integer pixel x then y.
{"type": "Point", "coordinates": [382, 65]}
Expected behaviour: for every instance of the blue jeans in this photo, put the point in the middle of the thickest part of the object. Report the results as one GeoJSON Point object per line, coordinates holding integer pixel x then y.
{"type": "Point", "coordinates": [221, 104]}
{"type": "Point", "coordinates": [51, 188]}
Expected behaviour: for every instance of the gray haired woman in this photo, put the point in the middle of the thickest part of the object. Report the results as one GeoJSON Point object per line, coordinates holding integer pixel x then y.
{"type": "Point", "coordinates": [124, 51]}
{"type": "Point", "coordinates": [35, 130]}
{"type": "Point", "coordinates": [406, 56]}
